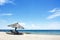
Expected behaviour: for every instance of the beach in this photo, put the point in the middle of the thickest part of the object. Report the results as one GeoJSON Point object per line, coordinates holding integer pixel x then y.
{"type": "Point", "coordinates": [4, 36]}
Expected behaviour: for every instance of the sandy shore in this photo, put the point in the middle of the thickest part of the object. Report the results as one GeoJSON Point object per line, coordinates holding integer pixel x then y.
{"type": "Point", "coordinates": [4, 36]}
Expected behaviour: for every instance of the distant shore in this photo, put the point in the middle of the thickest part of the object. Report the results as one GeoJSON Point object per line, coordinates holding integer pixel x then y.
{"type": "Point", "coordinates": [4, 36]}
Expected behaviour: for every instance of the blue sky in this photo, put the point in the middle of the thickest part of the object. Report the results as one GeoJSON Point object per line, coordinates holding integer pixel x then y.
{"type": "Point", "coordinates": [32, 14]}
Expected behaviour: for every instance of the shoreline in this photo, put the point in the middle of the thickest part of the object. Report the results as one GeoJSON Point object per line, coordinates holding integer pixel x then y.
{"type": "Point", "coordinates": [4, 36]}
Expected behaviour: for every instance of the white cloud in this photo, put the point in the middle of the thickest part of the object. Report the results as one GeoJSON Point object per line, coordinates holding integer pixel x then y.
{"type": "Point", "coordinates": [47, 26]}
{"type": "Point", "coordinates": [3, 2]}
{"type": "Point", "coordinates": [56, 13]}
{"type": "Point", "coordinates": [32, 26]}
{"type": "Point", "coordinates": [53, 10]}
{"type": "Point", "coordinates": [3, 24]}
{"type": "Point", "coordinates": [6, 14]}
{"type": "Point", "coordinates": [22, 24]}
{"type": "Point", "coordinates": [53, 25]}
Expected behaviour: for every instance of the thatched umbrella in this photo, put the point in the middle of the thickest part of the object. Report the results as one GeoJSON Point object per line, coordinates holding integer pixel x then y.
{"type": "Point", "coordinates": [16, 25]}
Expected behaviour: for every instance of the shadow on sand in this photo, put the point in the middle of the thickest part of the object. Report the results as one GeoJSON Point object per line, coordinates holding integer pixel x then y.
{"type": "Point", "coordinates": [14, 33]}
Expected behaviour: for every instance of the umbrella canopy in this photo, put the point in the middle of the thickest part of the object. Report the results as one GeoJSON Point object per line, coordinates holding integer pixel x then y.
{"type": "Point", "coordinates": [16, 25]}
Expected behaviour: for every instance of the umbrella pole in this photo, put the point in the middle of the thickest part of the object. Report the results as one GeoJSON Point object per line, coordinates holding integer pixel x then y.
{"type": "Point", "coordinates": [15, 29]}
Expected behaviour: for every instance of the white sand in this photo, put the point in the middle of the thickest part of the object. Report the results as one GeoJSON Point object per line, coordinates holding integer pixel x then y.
{"type": "Point", "coordinates": [4, 36]}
